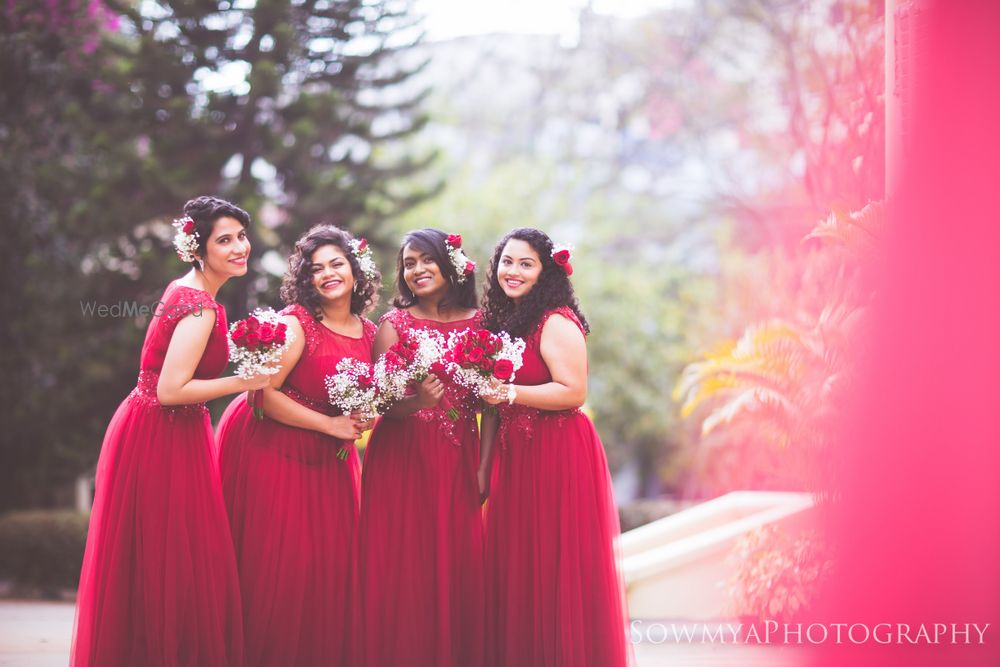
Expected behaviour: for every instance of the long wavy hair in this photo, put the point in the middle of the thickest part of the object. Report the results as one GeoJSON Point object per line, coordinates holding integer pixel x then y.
{"type": "Point", "coordinates": [297, 285]}
{"type": "Point", "coordinates": [553, 289]}
{"type": "Point", "coordinates": [432, 242]}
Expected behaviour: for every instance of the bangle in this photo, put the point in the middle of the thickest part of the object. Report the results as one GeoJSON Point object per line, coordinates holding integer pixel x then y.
{"type": "Point", "coordinates": [511, 394]}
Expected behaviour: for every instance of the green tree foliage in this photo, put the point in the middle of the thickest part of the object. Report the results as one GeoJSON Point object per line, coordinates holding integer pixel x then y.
{"type": "Point", "coordinates": [112, 114]}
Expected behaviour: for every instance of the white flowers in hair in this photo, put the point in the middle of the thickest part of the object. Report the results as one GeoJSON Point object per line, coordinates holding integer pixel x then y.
{"type": "Point", "coordinates": [186, 239]}
{"type": "Point", "coordinates": [366, 261]}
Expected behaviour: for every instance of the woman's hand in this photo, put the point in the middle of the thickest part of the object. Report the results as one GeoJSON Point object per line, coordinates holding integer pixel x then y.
{"type": "Point", "coordinates": [429, 392]}
{"type": "Point", "coordinates": [363, 424]}
{"type": "Point", "coordinates": [345, 427]}
{"type": "Point", "coordinates": [255, 382]}
{"type": "Point", "coordinates": [483, 477]}
{"type": "Point", "coordinates": [500, 394]}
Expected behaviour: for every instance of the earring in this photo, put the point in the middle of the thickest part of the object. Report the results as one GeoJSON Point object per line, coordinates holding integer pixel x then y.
{"type": "Point", "coordinates": [201, 265]}
{"type": "Point", "coordinates": [355, 288]}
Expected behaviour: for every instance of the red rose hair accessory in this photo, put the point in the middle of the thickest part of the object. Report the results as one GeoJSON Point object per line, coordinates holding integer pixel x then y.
{"type": "Point", "coordinates": [186, 239]}
{"type": "Point", "coordinates": [464, 267]}
{"type": "Point", "coordinates": [562, 255]}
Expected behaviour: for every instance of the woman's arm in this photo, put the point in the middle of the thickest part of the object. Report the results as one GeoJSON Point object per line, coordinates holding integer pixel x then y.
{"type": "Point", "coordinates": [286, 410]}
{"type": "Point", "coordinates": [488, 433]}
{"type": "Point", "coordinates": [564, 351]}
{"type": "Point", "coordinates": [177, 385]}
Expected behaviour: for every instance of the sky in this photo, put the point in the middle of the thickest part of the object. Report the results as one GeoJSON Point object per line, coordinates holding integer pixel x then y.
{"type": "Point", "coordinates": [445, 19]}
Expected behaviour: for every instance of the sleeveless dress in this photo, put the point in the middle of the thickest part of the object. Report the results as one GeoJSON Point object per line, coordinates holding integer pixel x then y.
{"type": "Point", "coordinates": [159, 585]}
{"type": "Point", "coordinates": [554, 595]}
{"type": "Point", "coordinates": [421, 530]}
{"type": "Point", "coordinates": [293, 508]}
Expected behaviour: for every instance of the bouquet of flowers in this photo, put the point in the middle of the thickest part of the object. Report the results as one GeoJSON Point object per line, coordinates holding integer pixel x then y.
{"type": "Point", "coordinates": [422, 353]}
{"type": "Point", "coordinates": [256, 344]}
{"type": "Point", "coordinates": [356, 389]}
{"type": "Point", "coordinates": [371, 389]}
{"type": "Point", "coordinates": [480, 359]}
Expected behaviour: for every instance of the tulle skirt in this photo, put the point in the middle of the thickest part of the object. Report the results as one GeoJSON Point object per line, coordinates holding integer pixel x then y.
{"type": "Point", "coordinates": [293, 508]}
{"type": "Point", "coordinates": [421, 546]}
{"type": "Point", "coordinates": [159, 585]}
{"type": "Point", "coordinates": [554, 596]}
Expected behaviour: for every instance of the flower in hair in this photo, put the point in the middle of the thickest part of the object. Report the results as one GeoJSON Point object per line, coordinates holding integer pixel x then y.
{"type": "Point", "coordinates": [363, 253]}
{"type": "Point", "coordinates": [186, 239]}
{"type": "Point", "coordinates": [562, 256]}
{"type": "Point", "coordinates": [464, 267]}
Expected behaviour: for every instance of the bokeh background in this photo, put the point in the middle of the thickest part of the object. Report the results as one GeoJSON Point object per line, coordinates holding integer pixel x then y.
{"type": "Point", "coordinates": [718, 166]}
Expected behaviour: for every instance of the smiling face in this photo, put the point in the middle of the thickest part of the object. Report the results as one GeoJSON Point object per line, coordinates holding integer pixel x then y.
{"type": "Point", "coordinates": [519, 268]}
{"type": "Point", "coordinates": [421, 273]}
{"type": "Point", "coordinates": [331, 271]}
{"type": "Point", "coordinates": [228, 248]}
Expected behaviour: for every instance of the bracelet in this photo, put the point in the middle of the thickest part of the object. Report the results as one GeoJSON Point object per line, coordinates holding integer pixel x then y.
{"type": "Point", "coordinates": [511, 394]}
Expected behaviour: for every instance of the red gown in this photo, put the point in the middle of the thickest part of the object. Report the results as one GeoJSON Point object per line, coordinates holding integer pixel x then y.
{"type": "Point", "coordinates": [293, 507]}
{"type": "Point", "coordinates": [159, 585]}
{"type": "Point", "coordinates": [553, 593]}
{"type": "Point", "coordinates": [421, 531]}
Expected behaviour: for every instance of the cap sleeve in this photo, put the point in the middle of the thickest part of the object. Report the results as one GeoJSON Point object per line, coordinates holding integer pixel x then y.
{"type": "Point", "coordinates": [400, 320]}
{"type": "Point", "coordinates": [308, 322]}
{"type": "Point", "coordinates": [180, 303]}
{"type": "Point", "coordinates": [566, 312]}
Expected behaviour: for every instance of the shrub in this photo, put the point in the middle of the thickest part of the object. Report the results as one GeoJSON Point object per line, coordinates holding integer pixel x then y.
{"type": "Point", "coordinates": [42, 550]}
{"type": "Point", "coordinates": [778, 576]}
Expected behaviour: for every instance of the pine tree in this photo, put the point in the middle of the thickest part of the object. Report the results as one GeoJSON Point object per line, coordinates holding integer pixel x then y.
{"type": "Point", "coordinates": [112, 114]}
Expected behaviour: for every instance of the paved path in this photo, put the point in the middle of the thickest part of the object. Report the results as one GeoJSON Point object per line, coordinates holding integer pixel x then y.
{"type": "Point", "coordinates": [37, 634]}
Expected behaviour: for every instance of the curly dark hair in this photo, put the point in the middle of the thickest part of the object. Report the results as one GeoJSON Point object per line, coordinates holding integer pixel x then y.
{"type": "Point", "coordinates": [297, 285]}
{"type": "Point", "coordinates": [553, 289]}
{"type": "Point", "coordinates": [205, 210]}
{"type": "Point", "coordinates": [432, 242]}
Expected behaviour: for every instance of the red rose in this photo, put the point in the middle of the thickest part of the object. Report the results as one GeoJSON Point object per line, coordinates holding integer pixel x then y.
{"type": "Point", "coordinates": [266, 333]}
{"type": "Point", "coordinates": [484, 335]}
{"type": "Point", "coordinates": [365, 381]}
{"type": "Point", "coordinates": [393, 361]}
{"type": "Point", "coordinates": [189, 227]}
{"type": "Point", "coordinates": [470, 266]}
{"type": "Point", "coordinates": [561, 259]}
{"type": "Point", "coordinates": [486, 365]}
{"type": "Point", "coordinates": [239, 331]}
{"type": "Point", "coordinates": [476, 355]}
{"type": "Point", "coordinates": [439, 369]}
{"type": "Point", "coordinates": [455, 240]}
{"type": "Point", "coordinates": [503, 369]}
{"type": "Point", "coordinates": [252, 323]}
{"type": "Point", "coordinates": [362, 244]}
{"type": "Point", "coordinates": [279, 338]}
{"type": "Point", "coordinates": [252, 339]}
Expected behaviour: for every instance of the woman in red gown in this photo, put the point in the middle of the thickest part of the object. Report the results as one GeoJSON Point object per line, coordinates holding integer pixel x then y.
{"type": "Point", "coordinates": [159, 583]}
{"type": "Point", "coordinates": [292, 502]}
{"type": "Point", "coordinates": [421, 525]}
{"type": "Point", "coordinates": [554, 596]}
